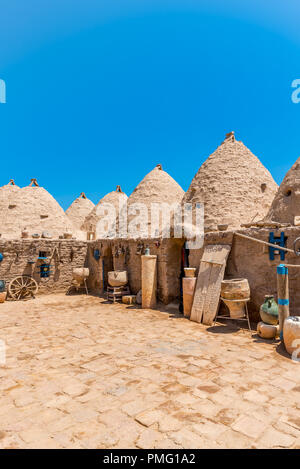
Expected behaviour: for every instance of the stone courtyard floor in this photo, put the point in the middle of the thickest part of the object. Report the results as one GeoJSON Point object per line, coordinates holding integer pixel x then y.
{"type": "Point", "coordinates": [81, 373]}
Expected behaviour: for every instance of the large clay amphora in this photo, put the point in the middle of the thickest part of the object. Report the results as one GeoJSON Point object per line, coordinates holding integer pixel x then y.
{"type": "Point", "coordinates": [269, 310]}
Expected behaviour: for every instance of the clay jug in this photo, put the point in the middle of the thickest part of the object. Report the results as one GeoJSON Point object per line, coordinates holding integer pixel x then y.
{"type": "Point", "coordinates": [269, 310]}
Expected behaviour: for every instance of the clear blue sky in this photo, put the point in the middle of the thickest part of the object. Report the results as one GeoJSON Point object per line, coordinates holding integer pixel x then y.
{"type": "Point", "coordinates": [99, 92]}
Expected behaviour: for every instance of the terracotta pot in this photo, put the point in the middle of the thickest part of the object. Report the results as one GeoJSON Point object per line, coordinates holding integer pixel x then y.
{"type": "Point", "coordinates": [118, 278]}
{"type": "Point", "coordinates": [190, 271]}
{"type": "Point", "coordinates": [232, 291]}
{"type": "Point", "coordinates": [267, 331]}
{"type": "Point", "coordinates": [235, 289]}
{"type": "Point", "coordinates": [188, 288]}
{"type": "Point", "coordinates": [291, 334]}
{"type": "Point", "coordinates": [3, 296]}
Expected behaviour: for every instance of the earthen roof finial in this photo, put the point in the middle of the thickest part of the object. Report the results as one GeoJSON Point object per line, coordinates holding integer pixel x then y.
{"type": "Point", "coordinates": [33, 182]}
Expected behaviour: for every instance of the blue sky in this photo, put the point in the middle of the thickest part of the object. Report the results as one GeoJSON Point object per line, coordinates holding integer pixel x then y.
{"type": "Point", "coordinates": [99, 92]}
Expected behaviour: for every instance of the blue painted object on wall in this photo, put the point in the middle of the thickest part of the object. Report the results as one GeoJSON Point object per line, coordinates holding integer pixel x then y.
{"type": "Point", "coordinates": [1, 257]}
{"type": "Point", "coordinates": [45, 271]}
{"type": "Point", "coordinates": [97, 254]}
{"type": "Point", "coordinates": [280, 242]}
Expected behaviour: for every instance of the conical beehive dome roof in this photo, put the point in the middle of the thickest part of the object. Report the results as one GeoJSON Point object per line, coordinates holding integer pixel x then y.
{"type": "Point", "coordinates": [286, 204]}
{"type": "Point", "coordinates": [117, 198]}
{"type": "Point", "coordinates": [234, 186]}
{"type": "Point", "coordinates": [156, 187]}
{"type": "Point", "coordinates": [79, 210]}
{"type": "Point", "coordinates": [33, 208]}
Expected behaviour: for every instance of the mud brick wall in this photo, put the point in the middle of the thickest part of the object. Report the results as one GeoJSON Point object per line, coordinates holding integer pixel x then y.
{"type": "Point", "coordinates": [124, 254]}
{"type": "Point", "coordinates": [250, 260]}
{"type": "Point", "coordinates": [17, 253]}
{"type": "Point", "coordinates": [99, 268]}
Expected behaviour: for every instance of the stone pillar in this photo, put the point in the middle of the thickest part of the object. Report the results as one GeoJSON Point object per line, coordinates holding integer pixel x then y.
{"type": "Point", "coordinates": [149, 281]}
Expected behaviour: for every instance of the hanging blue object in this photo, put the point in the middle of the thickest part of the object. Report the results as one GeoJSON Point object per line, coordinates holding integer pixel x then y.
{"type": "Point", "coordinates": [1, 257]}
{"type": "Point", "coordinates": [96, 254]}
{"type": "Point", "coordinates": [280, 242]}
{"type": "Point", "coordinates": [45, 271]}
{"type": "Point", "coordinates": [2, 286]}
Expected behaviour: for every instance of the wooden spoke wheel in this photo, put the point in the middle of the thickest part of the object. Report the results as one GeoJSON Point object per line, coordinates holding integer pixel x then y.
{"type": "Point", "coordinates": [22, 287]}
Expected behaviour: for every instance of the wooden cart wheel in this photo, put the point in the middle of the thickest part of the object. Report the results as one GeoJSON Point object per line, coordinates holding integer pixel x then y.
{"type": "Point", "coordinates": [22, 286]}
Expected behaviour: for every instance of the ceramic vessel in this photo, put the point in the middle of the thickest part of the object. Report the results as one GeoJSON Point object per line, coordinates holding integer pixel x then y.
{"type": "Point", "coordinates": [118, 278]}
{"type": "Point", "coordinates": [188, 288]}
{"type": "Point", "coordinates": [269, 310]}
{"type": "Point", "coordinates": [190, 271]}
{"type": "Point", "coordinates": [235, 289]}
{"type": "Point", "coordinates": [267, 331]}
{"type": "Point", "coordinates": [291, 334]}
{"type": "Point", "coordinates": [234, 292]}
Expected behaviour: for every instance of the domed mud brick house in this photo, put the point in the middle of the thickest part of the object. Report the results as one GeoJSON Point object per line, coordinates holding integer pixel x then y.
{"type": "Point", "coordinates": [33, 212]}
{"type": "Point", "coordinates": [79, 210]}
{"type": "Point", "coordinates": [33, 208]}
{"type": "Point", "coordinates": [251, 260]}
{"type": "Point", "coordinates": [115, 198]}
{"type": "Point", "coordinates": [125, 252]}
{"type": "Point", "coordinates": [233, 185]}
{"type": "Point", "coordinates": [285, 207]}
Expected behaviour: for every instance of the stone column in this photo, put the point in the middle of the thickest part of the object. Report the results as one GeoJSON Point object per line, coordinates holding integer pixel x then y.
{"type": "Point", "coordinates": [149, 281]}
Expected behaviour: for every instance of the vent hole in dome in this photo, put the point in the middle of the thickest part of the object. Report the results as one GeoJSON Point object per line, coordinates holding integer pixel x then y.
{"type": "Point", "coordinates": [288, 193]}
{"type": "Point", "coordinates": [263, 187]}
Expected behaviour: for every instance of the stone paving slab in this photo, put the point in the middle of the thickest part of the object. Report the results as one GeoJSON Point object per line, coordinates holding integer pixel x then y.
{"type": "Point", "coordinates": [81, 373]}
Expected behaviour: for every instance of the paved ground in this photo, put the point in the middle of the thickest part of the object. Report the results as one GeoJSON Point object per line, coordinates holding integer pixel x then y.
{"type": "Point", "coordinates": [84, 374]}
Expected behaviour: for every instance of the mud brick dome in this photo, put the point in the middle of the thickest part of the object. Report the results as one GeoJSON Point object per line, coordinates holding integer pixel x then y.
{"type": "Point", "coordinates": [116, 198]}
{"type": "Point", "coordinates": [156, 187]}
{"type": "Point", "coordinates": [33, 208]}
{"type": "Point", "coordinates": [234, 186]}
{"type": "Point", "coordinates": [285, 207]}
{"type": "Point", "coordinates": [79, 210]}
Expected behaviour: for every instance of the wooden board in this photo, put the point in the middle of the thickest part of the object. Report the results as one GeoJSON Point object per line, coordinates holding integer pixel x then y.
{"type": "Point", "coordinates": [208, 286]}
